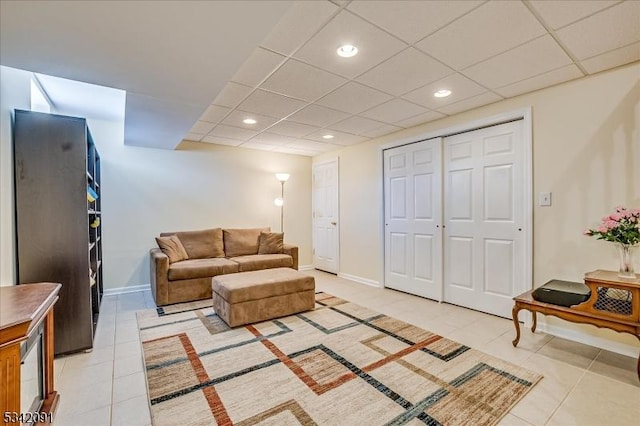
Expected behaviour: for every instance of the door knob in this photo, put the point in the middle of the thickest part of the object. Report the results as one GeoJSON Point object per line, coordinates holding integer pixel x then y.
{"type": "Point", "coordinates": [334, 223]}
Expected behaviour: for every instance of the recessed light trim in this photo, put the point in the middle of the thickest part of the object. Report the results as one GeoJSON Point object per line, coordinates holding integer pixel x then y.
{"type": "Point", "coordinates": [249, 121]}
{"type": "Point", "coordinates": [442, 93]}
{"type": "Point", "coordinates": [328, 136]}
{"type": "Point", "coordinates": [347, 51]}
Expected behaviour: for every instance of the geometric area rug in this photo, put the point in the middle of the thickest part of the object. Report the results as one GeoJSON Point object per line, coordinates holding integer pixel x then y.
{"type": "Point", "coordinates": [339, 364]}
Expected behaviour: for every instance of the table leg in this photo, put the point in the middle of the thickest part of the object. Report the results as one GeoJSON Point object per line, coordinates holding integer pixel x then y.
{"type": "Point", "coordinates": [535, 322]}
{"type": "Point", "coordinates": [514, 312]}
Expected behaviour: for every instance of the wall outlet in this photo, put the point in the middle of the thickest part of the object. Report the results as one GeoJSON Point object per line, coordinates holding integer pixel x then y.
{"type": "Point", "coordinates": [544, 199]}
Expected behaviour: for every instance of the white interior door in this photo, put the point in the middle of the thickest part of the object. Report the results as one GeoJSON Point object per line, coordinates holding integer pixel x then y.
{"type": "Point", "coordinates": [413, 206]}
{"type": "Point", "coordinates": [325, 216]}
{"type": "Point", "coordinates": [484, 218]}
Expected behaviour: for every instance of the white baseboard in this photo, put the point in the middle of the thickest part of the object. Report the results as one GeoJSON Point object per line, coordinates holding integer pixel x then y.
{"type": "Point", "coordinates": [360, 280]}
{"type": "Point", "coordinates": [124, 290]}
{"type": "Point", "coordinates": [305, 267]}
{"type": "Point", "coordinates": [598, 342]}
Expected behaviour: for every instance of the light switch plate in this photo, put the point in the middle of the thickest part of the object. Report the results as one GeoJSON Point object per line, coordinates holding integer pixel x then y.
{"type": "Point", "coordinates": [544, 199]}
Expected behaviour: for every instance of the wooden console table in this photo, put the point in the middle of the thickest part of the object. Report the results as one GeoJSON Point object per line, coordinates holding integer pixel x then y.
{"type": "Point", "coordinates": [614, 303]}
{"type": "Point", "coordinates": [26, 324]}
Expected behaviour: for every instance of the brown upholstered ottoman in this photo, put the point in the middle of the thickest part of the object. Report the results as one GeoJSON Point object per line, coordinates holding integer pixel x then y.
{"type": "Point", "coordinates": [248, 297]}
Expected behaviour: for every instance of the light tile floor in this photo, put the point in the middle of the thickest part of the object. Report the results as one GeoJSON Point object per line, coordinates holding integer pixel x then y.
{"type": "Point", "coordinates": [582, 385]}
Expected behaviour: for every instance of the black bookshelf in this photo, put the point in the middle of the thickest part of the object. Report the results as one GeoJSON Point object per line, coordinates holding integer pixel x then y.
{"type": "Point", "coordinates": [58, 225]}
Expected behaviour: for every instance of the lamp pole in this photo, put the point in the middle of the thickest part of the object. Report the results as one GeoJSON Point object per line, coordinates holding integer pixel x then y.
{"type": "Point", "coordinates": [282, 206]}
{"type": "Point", "coordinates": [282, 178]}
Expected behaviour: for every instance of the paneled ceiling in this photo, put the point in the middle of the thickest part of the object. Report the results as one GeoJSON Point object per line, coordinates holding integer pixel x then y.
{"type": "Point", "coordinates": [196, 69]}
{"type": "Point", "coordinates": [298, 90]}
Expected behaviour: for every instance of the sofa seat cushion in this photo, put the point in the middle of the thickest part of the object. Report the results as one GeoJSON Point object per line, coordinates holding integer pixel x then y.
{"type": "Point", "coordinates": [258, 285]}
{"type": "Point", "coordinates": [201, 268]}
{"type": "Point", "coordinates": [256, 262]}
{"type": "Point", "coordinates": [201, 244]}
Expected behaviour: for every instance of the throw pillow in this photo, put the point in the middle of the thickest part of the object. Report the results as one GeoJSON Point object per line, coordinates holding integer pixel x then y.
{"type": "Point", "coordinates": [173, 248]}
{"type": "Point", "coordinates": [271, 243]}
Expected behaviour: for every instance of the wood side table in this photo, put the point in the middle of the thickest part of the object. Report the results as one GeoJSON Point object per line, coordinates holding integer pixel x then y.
{"type": "Point", "coordinates": [26, 324]}
{"type": "Point", "coordinates": [614, 303]}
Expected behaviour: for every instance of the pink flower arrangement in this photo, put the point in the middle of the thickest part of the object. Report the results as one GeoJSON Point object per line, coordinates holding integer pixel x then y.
{"type": "Point", "coordinates": [622, 226]}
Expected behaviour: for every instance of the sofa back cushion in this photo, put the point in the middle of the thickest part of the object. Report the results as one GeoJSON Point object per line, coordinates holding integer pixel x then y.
{"type": "Point", "coordinates": [202, 244]}
{"type": "Point", "coordinates": [173, 248]}
{"type": "Point", "coordinates": [271, 243]}
{"type": "Point", "coordinates": [241, 242]}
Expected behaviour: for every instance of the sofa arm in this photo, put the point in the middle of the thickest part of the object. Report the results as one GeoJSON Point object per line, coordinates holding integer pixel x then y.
{"type": "Point", "coordinates": [159, 263]}
{"type": "Point", "coordinates": [292, 251]}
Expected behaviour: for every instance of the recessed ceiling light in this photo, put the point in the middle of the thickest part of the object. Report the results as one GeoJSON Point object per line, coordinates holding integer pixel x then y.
{"type": "Point", "coordinates": [327, 136]}
{"type": "Point", "coordinates": [249, 121]}
{"type": "Point", "coordinates": [443, 93]}
{"type": "Point", "coordinates": [347, 51]}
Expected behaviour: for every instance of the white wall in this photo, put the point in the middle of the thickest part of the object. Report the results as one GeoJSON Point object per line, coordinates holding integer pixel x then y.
{"type": "Point", "coordinates": [586, 151]}
{"type": "Point", "coordinates": [147, 191]}
{"type": "Point", "coordinates": [15, 93]}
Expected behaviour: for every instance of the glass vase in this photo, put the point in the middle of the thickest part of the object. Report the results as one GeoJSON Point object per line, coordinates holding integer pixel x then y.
{"type": "Point", "coordinates": [626, 261]}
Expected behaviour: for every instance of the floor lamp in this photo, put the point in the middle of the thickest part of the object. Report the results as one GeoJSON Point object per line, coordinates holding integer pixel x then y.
{"type": "Point", "coordinates": [282, 178]}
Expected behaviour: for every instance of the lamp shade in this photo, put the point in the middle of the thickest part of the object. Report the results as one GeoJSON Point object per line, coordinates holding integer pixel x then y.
{"type": "Point", "coordinates": [282, 177]}
{"type": "Point", "coordinates": [278, 202]}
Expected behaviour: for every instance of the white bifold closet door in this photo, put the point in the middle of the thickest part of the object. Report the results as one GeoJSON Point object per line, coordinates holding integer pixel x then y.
{"type": "Point", "coordinates": [413, 209]}
{"type": "Point", "coordinates": [484, 253]}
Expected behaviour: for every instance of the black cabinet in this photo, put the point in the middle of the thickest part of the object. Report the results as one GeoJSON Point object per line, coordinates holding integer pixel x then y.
{"type": "Point", "coordinates": [58, 219]}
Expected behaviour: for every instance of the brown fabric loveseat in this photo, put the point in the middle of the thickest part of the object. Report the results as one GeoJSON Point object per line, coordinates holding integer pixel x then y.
{"type": "Point", "coordinates": [213, 252]}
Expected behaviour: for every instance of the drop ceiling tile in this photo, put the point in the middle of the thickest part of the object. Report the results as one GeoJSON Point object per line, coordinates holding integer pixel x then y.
{"type": "Point", "coordinates": [526, 61]}
{"type": "Point", "coordinates": [467, 104]}
{"type": "Point", "coordinates": [381, 131]}
{"type": "Point", "coordinates": [202, 127]}
{"type": "Point", "coordinates": [221, 141]}
{"type": "Point", "coordinates": [270, 104]}
{"type": "Point", "coordinates": [230, 132]}
{"type": "Point", "coordinates": [420, 119]}
{"type": "Point", "coordinates": [317, 115]}
{"type": "Point", "coordinates": [374, 46]}
{"type": "Point", "coordinates": [257, 145]}
{"type": "Point", "coordinates": [486, 31]}
{"type": "Point", "coordinates": [411, 20]}
{"type": "Point", "coordinates": [409, 69]}
{"type": "Point", "coordinates": [394, 110]}
{"type": "Point", "coordinates": [612, 58]}
{"type": "Point", "coordinates": [273, 139]}
{"type": "Point", "coordinates": [356, 125]}
{"type": "Point", "coordinates": [547, 79]}
{"type": "Point", "coordinates": [610, 29]}
{"type": "Point", "coordinates": [214, 113]}
{"type": "Point", "coordinates": [461, 88]}
{"type": "Point", "coordinates": [232, 94]}
{"type": "Point", "coordinates": [293, 129]}
{"type": "Point", "coordinates": [302, 20]}
{"type": "Point", "coordinates": [339, 138]}
{"type": "Point", "coordinates": [193, 137]}
{"type": "Point", "coordinates": [559, 13]}
{"type": "Point", "coordinates": [353, 98]}
{"type": "Point", "coordinates": [236, 117]}
{"type": "Point", "coordinates": [296, 151]}
{"type": "Point", "coordinates": [312, 145]}
{"type": "Point", "coordinates": [259, 65]}
{"type": "Point", "coordinates": [302, 81]}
